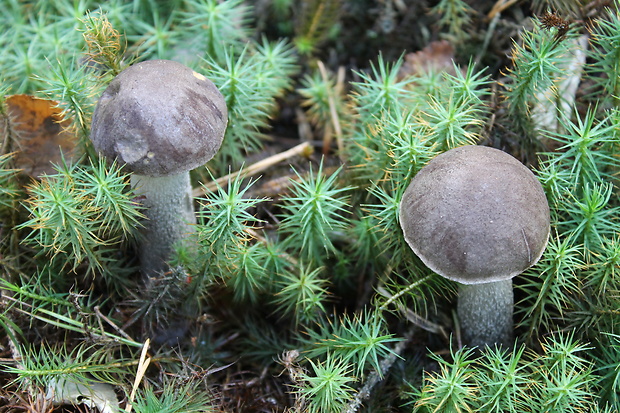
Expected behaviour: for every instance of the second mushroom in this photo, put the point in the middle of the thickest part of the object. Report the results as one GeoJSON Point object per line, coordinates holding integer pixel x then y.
{"type": "Point", "coordinates": [477, 216]}
{"type": "Point", "coordinates": [160, 119]}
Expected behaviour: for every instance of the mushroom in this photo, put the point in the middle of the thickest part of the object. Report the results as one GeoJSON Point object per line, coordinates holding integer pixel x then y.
{"type": "Point", "coordinates": [160, 119]}
{"type": "Point", "coordinates": [477, 216]}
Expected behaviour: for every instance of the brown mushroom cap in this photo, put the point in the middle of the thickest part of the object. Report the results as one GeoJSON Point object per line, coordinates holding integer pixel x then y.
{"type": "Point", "coordinates": [159, 118]}
{"type": "Point", "coordinates": [475, 215]}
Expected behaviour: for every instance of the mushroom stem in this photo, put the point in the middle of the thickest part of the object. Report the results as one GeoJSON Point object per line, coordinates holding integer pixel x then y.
{"type": "Point", "coordinates": [485, 313]}
{"type": "Point", "coordinates": [170, 213]}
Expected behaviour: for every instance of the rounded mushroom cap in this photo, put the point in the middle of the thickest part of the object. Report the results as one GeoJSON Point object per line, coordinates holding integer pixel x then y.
{"type": "Point", "coordinates": [475, 215]}
{"type": "Point", "coordinates": [159, 117]}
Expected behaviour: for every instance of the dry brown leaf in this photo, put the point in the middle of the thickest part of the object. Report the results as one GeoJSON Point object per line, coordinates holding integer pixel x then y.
{"type": "Point", "coordinates": [436, 57]}
{"type": "Point", "coordinates": [41, 134]}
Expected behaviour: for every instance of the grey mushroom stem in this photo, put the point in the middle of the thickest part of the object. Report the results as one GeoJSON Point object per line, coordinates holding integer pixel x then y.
{"type": "Point", "coordinates": [170, 214]}
{"type": "Point", "coordinates": [486, 313]}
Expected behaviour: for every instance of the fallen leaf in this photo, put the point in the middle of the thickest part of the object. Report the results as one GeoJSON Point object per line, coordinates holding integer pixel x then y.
{"type": "Point", "coordinates": [100, 395]}
{"type": "Point", "coordinates": [436, 57]}
{"type": "Point", "coordinates": [42, 135]}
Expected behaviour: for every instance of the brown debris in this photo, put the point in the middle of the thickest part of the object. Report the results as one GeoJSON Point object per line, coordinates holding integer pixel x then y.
{"type": "Point", "coordinates": [43, 137]}
{"type": "Point", "coordinates": [436, 57]}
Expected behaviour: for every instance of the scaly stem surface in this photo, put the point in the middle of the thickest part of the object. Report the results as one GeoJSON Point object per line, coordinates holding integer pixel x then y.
{"type": "Point", "coordinates": [171, 218]}
{"type": "Point", "coordinates": [485, 312]}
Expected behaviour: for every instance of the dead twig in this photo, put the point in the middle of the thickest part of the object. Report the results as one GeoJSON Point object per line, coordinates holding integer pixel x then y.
{"type": "Point", "coordinates": [378, 375]}
{"type": "Point", "coordinates": [303, 149]}
{"type": "Point", "coordinates": [499, 7]}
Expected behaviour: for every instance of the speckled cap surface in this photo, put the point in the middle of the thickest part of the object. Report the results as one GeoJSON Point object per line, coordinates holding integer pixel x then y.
{"type": "Point", "coordinates": [159, 117]}
{"type": "Point", "coordinates": [475, 215]}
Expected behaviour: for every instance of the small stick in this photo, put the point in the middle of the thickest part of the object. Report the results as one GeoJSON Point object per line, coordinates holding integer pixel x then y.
{"type": "Point", "coordinates": [333, 112]}
{"type": "Point", "coordinates": [142, 366]}
{"type": "Point", "coordinates": [100, 316]}
{"type": "Point", "coordinates": [487, 38]}
{"type": "Point", "coordinates": [416, 319]}
{"type": "Point", "coordinates": [263, 240]}
{"type": "Point", "coordinates": [376, 376]}
{"type": "Point", "coordinates": [499, 7]}
{"type": "Point", "coordinates": [301, 149]}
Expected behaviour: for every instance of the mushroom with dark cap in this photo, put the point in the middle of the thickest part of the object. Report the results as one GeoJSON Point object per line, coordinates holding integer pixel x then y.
{"type": "Point", "coordinates": [478, 216]}
{"type": "Point", "coordinates": [160, 119]}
